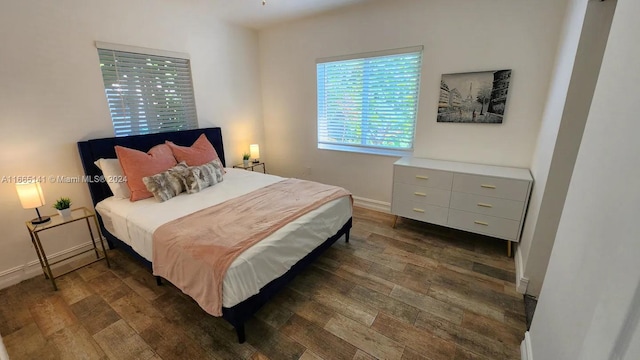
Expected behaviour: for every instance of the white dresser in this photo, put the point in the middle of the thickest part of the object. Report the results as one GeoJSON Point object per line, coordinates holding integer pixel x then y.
{"type": "Point", "coordinates": [484, 199]}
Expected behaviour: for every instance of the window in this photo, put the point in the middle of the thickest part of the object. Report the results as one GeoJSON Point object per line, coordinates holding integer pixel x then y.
{"type": "Point", "coordinates": [148, 91]}
{"type": "Point", "coordinates": [368, 102]}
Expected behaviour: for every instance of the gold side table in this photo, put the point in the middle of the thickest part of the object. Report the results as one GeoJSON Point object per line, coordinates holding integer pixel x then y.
{"type": "Point", "coordinates": [57, 220]}
{"type": "Point", "coordinates": [252, 166]}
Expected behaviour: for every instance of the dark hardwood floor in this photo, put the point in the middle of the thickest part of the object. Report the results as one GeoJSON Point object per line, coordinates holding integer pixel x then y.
{"type": "Point", "coordinates": [414, 292]}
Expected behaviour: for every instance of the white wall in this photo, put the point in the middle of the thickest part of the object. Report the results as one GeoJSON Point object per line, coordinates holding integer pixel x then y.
{"type": "Point", "coordinates": [577, 68]}
{"type": "Point", "coordinates": [458, 36]}
{"type": "Point", "coordinates": [52, 96]}
{"type": "Point", "coordinates": [590, 302]}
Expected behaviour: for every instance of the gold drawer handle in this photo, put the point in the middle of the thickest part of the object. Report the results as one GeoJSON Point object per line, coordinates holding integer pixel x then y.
{"type": "Point", "coordinates": [485, 205]}
{"type": "Point", "coordinates": [481, 223]}
{"type": "Point", "coordinates": [418, 210]}
{"type": "Point", "coordinates": [419, 194]}
{"type": "Point", "coordinates": [422, 177]}
{"type": "Point", "coordinates": [488, 186]}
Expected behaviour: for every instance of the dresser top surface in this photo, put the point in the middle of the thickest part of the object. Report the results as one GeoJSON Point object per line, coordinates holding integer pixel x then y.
{"type": "Point", "coordinates": [467, 168]}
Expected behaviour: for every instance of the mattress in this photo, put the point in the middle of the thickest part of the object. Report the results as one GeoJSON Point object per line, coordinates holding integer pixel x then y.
{"type": "Point", "coordinates": [135, 222]}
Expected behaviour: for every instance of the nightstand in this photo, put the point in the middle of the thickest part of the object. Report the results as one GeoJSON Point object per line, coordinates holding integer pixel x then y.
{"type": "Point", "coordinates": [252, 166]}
{"type": "Point", "coordinates": [57, 220]}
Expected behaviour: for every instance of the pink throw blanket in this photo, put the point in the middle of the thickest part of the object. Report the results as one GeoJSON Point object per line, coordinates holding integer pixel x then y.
{"type": "Point", "coordinates": [194, 252]}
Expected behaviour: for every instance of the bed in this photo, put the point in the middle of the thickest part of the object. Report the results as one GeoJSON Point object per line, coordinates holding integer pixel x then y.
{"type": "Point", "coordinates": [259, 272]}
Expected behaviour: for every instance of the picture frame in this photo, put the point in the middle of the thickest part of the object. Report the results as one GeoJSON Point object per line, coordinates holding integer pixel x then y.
{"type": "Point", "coordinates": [474, 97]}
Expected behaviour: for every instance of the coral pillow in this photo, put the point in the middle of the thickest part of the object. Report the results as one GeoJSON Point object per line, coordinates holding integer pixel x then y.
{"type": "Point", "coordinates": [137, 164]}
{"type": "Point", "coordinates": [200, 153]}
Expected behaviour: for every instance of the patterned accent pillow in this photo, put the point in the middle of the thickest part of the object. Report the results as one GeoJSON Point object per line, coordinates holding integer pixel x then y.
{"type": "Point", "coordinates": [167, 184]}
{"type": "Point", "coordinates": [203, 176]}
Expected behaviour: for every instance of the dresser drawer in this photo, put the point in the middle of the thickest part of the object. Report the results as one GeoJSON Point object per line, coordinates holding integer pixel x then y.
{"type": "Point", "coordinates": [503, 208]}
{"type": "Point", "coordinates": [422, 212]}
{"type": "Point", "coordinates": [423, 177]}
{"type": "Point", "coordinates": [491, 186]}
{"type": "Point", "coordinates": [484, 224]}
{"type": "Point", "coordinates": [407, 193]}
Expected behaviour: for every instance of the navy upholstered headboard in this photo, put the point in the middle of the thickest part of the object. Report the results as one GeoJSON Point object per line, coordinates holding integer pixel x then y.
{"type": "Point", "coordinates": [92, 150]}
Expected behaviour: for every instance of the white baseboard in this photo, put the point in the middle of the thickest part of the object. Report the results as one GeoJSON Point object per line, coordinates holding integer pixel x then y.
{"type": "Point", "coordinates": [31, 269]}
{"type": "Point", "coordinates": [3, 351]}
{"type": "Point", "coordinates": [381, 206]}
{"type": "Point", "coordinates": [521, 282]}
{"type": "Point", "coordinates": [525, 347]}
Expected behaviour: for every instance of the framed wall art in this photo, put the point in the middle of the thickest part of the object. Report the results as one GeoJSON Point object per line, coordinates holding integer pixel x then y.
{"type": "Point", "coordinates": [474, 97]}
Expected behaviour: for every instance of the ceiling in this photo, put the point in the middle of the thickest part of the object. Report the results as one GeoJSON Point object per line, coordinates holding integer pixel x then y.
{"type": "Point", "coordinates": [252, 14]}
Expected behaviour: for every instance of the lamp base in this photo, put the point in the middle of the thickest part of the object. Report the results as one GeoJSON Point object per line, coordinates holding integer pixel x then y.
{"type": "Point", "coordinates": [255, 161]}
{"type": "Point", "coordinates": [40, 220]}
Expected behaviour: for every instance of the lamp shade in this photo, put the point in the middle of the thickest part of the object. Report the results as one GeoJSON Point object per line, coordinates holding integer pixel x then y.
{"type": "Point", "coordinates": [30, 194]}
{"type": "Point", "coordinates": [254, 149]}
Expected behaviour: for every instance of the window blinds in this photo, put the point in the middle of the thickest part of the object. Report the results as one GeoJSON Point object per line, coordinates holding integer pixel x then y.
{"type": "Point", "coordinates": [147, 93]}
{"type": "Point", "coordinates": [369, 100]}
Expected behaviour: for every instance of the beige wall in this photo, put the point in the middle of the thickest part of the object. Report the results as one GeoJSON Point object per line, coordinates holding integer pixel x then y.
{"type": "Point", "coordinates": [577, 69]}
{"type": "Point", "coordinates": [589, 307]}
{"type": "Point", "coordinates": [52, 96]}
{"type": "Point", "coordinates": [568, 46]}
{"type": "Point", "coordinates": [458, 36]}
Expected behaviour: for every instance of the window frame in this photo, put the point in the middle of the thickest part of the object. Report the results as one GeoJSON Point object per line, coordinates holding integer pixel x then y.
{"type": "Point", "coordinates": [366, 149]}
{"type": "Point", "coordinates": [185, 117]}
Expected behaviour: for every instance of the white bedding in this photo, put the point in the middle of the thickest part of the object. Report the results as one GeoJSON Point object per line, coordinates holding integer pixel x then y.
{"type": "Point", "coordinates": [135, 222]}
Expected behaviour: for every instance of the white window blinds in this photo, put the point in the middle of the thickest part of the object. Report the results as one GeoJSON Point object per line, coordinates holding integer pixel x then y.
{"type": "Point", "coordinates": [147, 93]}
{"type": "Point", "coordinates": [369, 101]}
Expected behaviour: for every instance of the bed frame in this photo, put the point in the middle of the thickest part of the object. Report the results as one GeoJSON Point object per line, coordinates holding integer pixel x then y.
{"type": "Point", "coordinates": [92, 150]}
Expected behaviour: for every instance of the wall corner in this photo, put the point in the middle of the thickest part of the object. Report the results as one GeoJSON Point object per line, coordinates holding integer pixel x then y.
{"type": "Point", "coordinates": [525, 347]}
{"type": "Point", "coordinates": [522, 282]}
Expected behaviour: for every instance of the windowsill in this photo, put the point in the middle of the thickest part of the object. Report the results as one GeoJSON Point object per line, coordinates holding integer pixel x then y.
{"type": "Point", "coordinates": [366, 150]}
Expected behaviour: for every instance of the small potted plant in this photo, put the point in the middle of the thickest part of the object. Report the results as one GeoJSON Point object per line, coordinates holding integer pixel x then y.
{"type": "Point", "coordinates": [245, 159]}
{"type": "Point", "coordinates": [63, 205]}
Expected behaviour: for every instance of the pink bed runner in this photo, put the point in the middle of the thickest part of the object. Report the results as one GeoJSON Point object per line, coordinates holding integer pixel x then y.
{"type": "Point", "coordinates": [194, 252]}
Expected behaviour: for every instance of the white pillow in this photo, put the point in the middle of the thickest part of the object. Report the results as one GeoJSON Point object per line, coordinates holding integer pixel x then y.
{"type": "Point", "coordinates": [112, 172]}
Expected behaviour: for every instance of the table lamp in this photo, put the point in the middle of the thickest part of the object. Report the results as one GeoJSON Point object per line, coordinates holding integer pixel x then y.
{"type": "Point", "coordinates": [254, 149]}
{"type": "Point", "coordinates": [30, 194]}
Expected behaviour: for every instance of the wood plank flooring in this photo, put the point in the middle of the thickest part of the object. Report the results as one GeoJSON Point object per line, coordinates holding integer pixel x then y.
{"type": "Point", "coordinates": [415, 292]}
